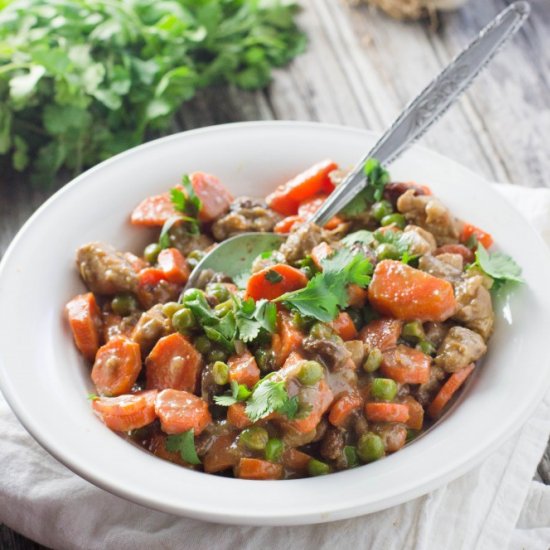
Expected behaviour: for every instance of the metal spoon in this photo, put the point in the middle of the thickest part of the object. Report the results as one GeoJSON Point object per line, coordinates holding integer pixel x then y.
{"type": "Point", "coordinates": [235, 255]}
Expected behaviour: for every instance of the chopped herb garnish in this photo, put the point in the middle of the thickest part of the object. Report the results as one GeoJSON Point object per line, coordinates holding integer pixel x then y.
{"type": "Point", "coordinates": [271, 396]}
{"type": "Point", "coordinates": [327, 291]}
{"type": "Point", "coordinates": [362, 237]}
{"type": "Point", "coordinates": [377, 178]}
{"type": "Point", "coordinates": [500, 267]}
{"type": "Point", "coordinates": [273, 277]}
{"type": "Point", "coordinates": [255, 317]}
{"type": "Point", "coordinates": [93, 396]}
{"type": "Point", "coordinates": [239, 392]}
{"type": "Point", "coordinates": [184, 444]}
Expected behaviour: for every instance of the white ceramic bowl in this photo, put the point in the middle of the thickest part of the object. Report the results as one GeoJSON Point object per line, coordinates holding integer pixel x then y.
{"type": "Point", "coordinates": [46, 381]}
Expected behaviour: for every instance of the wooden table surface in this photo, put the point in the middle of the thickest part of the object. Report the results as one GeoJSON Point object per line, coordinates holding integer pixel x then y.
{"type": "Point", "coordinates": [360, 69]}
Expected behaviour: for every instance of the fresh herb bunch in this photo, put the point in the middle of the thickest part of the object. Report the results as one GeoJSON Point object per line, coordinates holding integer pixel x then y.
{"type": "Point", "coordinates": [81, 80]}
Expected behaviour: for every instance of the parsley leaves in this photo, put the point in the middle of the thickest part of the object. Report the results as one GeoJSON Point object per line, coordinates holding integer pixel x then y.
{"type": "Point", "coordinates": [95, 77]}
{"type": "Point", "coordinates": [271, 396]}
{"type": "Point", "coordinates": [500, 267]}
{"type": "Point", "coordinates": [184, 444]}
{"type": "Point", "coordinates": [377, 178]}
{"type": "Point", "coordinates": [253, 317]}
{"type": "Point", "coordinates": [327, 291]}
{"type": "Point", "coordinates": [273, 277]}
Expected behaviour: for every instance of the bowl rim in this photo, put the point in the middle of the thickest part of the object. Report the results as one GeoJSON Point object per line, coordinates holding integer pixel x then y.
{"type": "Point", "coordinates": [447, 473]}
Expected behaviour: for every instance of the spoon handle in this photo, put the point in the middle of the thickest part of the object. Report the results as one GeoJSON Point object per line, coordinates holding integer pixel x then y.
{"type": "Point", "coordinates": [427, 107]}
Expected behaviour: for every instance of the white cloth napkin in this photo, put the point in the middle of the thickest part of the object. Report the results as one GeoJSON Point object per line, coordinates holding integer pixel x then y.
{"type": "Point", "coordinates": [495, 506]}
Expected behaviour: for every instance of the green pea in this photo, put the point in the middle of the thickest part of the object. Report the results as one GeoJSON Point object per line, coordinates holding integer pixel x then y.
{"type": "Point", "coordinates": [224, 308]}
{"type": "Point", "coordinates": [381, 209]}
{"type": "Point", "coordinates": [220, 373]}
{"type": "Point", "coordinates": [274, 450]}
{"type": "Point", "coordinates": [383, 388]}
{"type": "Point", "coordinates": [254, 438]}
{"type": "Point", "coordinates": [320, 331]}
{"type": "Point", "coordinates": [350, 454]}
{"type": "Point", "coordinates": [413, 331]}
{"type": "Point", "coordinates": [203, 344]}
{"type": "Point", "coordinates": [193, 294]}
{"type": "Point", "coordinates": [370, 447]}
{"type": "Point", "coordinates": [218, 291]}
{"type": "Point", "coordinates": [317, 468]}
{"type": "Point", "coordinates": [426, 347]}
{"type": "Point", "coordinates": [395, 219]}
{"type": "Point", "coordinates": [310, 373]}
{"type": "Point", "coordinates": [216, 355]}
{"type": "Point", "coordinates": [197, 255]}
{"type": "Point", "coordinates": [124, 304]}
{"type": "Point", "coordinates": [169, 308]}
{"type": "Point", "coordinates": [151, 252]}
{"type": "Point", "coordinates": [373, 361]}
{"type": "Point", "coordinates": [183, 320]}
{"type": "Point", "coordinates": [387, 251]}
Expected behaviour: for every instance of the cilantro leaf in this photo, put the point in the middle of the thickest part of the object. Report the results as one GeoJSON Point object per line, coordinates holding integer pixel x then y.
{"type": "Point", "coordinates": [239, 392]}
{"type": "Point", "coordinates": [322, 297]}
{"type": "Point", "coordinates": [377, 178]}
{"type": "Point", "coordinates": [270, 396]}
{"type": "Point", "coordinates": [253, 317]}
{"type": "Point", "coordinates": [500, 267]}
{"type": "Point", "coordinates": [184, 444]}
{"type": "Point", "coordinates": [362, 236]}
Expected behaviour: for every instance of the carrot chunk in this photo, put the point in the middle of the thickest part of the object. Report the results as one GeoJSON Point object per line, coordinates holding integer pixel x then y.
{"type": "Point", "coordinates": [287, 197]}
{"type": "Point", "coordinates": [180, 411]}
{"type": "Point", "coordinates": [286, 340]}
{"type": "Point", "coordinates": [173, 363]}
{"type": "Point", "coordinates": [117, 366]}
{"type": "Point", "coordinates": [215, 198]}
{"type": "Point", "coordinates": [401, 291]}
{"type": "Point", "coordinates": [416, 413]}
{"type": "Point", "coordinates": [381, 333]}
{"type": "Point", "coordinates": [255, 468]}
{"type": "Point", "coordinates": [153, 211]}
{"type": "Point", "coordinates": [173, 266]}
{"type": "Point", "coordinates": [85, 322]}
{"type": "Point", "coordinates": [221, 455]}
{"type": "Point", "coordinates": [272, 282]}
{"type": "Point", "coordinates": [296, 460]}
{"type": "Point", "coordinates": [286, 224]}
{"type": "Point", "coordinates": [342, 409]}
{"type": "Point", "coordinates": [243, 369]}
{"type": "Point", "coordinates": [357, 296]}
{"type": "Point", "coordinates": [344, 326]}
{"type": "Point", "coordinates": [236, 415]}
{"type": "Point", "coordinates": [308, 207]}
{"type": "Point", "coordinates": [126, 412]}
{"type": "Point", "coordinates": [406, 365]}
{"type": "Point", "coordinates": [150, 276]}
{"type": "Point", "coordinates": [470, 230]}
{"type": "Point", "coordinates": [318, 398]}
{"type": "Point", "coordinates": [386, 412]}
{"type": "Point", "coordinates": [448, 390]}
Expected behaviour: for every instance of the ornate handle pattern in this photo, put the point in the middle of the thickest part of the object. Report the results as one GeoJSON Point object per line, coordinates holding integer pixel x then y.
{"type": "Point", "coordinates": [426, 108]}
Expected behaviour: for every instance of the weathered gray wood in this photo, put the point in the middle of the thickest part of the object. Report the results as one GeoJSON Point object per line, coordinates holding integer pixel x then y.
{"type": "Point", "coordinates": [360, 69]}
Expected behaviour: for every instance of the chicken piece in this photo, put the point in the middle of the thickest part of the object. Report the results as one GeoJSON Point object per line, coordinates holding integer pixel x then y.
{"type": "Point", "coordinates": [430, 214]}
{"type": "Point", "coordinates": [334, 354]}
{"type": "Point", "coordinates": [152, 325]}
{"type": "Point", "coordinates": [245, 215]}
{"type": "Point", "coordinates": [105, 270]}
{"type": "Point", "coordinates": [419, 240]}
{"type": "Point", "coordinates": [460, 347]}
{"type": "Point", "coordinates": [260, 262]}
{"type": "Point", "coordinates": [475, 305]}
{"type": "Point", "coordinates": [301, 241]}
{"type": "Point", "coordinates": [435, 332]}
{"type": "Point", "coordinates": [426, 392]}
{"type": "Point", "coordinates": [186, 242]}
{"type": "Point", "coordinates": [442, 266]}
{"type": "Point", "coordinates": [332, 444]}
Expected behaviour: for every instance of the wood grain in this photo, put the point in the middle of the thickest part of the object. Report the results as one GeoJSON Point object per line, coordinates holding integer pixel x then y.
{"type": "Point", "coordinates": [360, 69]}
